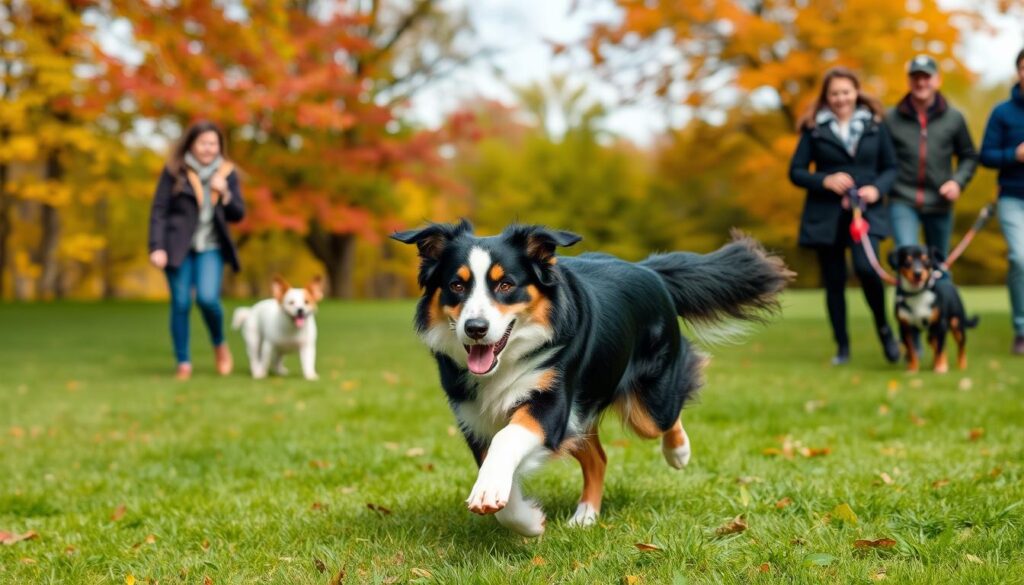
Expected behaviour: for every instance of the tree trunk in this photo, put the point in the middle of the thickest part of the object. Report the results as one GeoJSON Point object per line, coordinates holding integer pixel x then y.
{"type": "Point", "coordinates": [46, 256]}
{"type": "Point", "coordinates": [337, 252]}
{"type": "Point", "coordinates": [105, 259]}
{"type": "Point", "coordinates": [5, 227]}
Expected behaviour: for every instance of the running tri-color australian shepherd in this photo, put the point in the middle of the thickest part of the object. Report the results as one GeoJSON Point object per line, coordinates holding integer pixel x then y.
{"type": "Point", "coordinates": [532, 348]}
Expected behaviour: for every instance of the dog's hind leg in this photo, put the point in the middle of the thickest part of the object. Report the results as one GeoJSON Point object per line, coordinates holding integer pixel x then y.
{"type": "Point", "coordinates": [593, 461]}
{"type": "Point", "coordinates": [252, 349]}
{"type": "Point", "coordinates": [937, 338]}
{"type": "Point", "coordinates": [278, 364]}
{"type": "Point", "coordinates": [956, 325]}
{"type": "Point", "coordinates": [675, 445]}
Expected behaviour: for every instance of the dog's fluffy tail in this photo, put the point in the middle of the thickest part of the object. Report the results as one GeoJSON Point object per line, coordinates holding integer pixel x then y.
{"type": "Point", "coordinates": [718, 293]}
{"type": "Point", "coordinates": [239, 316]}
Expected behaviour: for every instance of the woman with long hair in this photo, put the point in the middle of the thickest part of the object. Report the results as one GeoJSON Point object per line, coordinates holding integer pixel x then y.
{"type": "Point", "coordinates": [843, 137]}
{"type": "Point", "coordinates": [196, 197]}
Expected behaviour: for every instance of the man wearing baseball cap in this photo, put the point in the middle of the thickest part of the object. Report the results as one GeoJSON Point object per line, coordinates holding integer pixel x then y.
{"type": "Point", "coordinates": [927, 133]}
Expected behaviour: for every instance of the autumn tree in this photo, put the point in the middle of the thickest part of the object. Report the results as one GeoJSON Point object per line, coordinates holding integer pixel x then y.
{"type": "Point", "coordinates": [746, 69]}
{"type": "Point", "coordinates": [311, 95]}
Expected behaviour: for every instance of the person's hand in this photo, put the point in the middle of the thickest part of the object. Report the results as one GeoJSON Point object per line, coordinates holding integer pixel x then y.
{"type": "Point", "coordinates": [950, 190]}
{"type": "Point", "coordinates": [839, 183]}
{"type": "Point", "coordinates": [869, 193]}
{"type": "Point", "coordinates": [219, 184]}
{"type": "Point", "coordinates": [1019, 155]}
{"type": "Point", "coordinates": [158, 258]}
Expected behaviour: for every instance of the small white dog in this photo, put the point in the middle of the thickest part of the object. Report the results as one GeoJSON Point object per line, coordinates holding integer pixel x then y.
{"type": "Point", "coordinates": [283, 324]}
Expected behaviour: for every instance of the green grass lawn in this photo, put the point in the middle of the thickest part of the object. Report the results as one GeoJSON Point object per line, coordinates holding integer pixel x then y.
{"type": "Point", "coordinates": [128, 476]}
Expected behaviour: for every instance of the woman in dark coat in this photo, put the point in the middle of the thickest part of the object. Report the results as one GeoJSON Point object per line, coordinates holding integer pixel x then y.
{"type": "Point", "coordinates": [842, 136]}
{"type": "Point", "coordinates": [197, 196]}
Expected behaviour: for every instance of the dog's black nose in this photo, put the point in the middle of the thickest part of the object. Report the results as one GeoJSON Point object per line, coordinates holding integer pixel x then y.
{"type": "Point", "coordinates": [476, 328]}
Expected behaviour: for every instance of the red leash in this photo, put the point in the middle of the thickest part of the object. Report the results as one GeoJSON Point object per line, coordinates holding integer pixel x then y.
{"type": "Point", "coordinates": [859, 229]}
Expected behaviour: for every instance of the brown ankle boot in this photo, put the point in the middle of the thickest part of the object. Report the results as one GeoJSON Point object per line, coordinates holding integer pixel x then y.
{"type": "Point", "coordinates": [184, 371]}
{"type": "Point", "coordinates": [222, 354]}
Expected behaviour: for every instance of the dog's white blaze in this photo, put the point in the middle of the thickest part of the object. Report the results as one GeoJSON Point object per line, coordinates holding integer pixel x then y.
{"type": "Point", "coordinates": [921, 305]}
{"type": "Point", "coordinates": [480, 305]}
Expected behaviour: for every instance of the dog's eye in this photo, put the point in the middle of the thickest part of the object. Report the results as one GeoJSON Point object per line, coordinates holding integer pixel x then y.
{"type": "Point", "coordinates": [457, 287]}
{"type": "Point", "coordinates": [505, 286]}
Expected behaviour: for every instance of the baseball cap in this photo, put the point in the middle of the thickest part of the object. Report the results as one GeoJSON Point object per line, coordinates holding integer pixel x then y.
{"type": "Point", "coordinates": [922, 64]}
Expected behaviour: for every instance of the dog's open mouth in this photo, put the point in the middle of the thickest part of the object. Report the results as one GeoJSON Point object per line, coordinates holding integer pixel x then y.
{"type": "Point", "coordinates": [299, 320]}
{"type": "Point", "coordinates": [482, 358]}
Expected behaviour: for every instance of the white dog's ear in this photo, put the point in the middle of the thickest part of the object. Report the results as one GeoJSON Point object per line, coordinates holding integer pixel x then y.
{"type": "Point", "coordinates": [279, 286]}
{"type": "Point", "coordinates": [316, 288]}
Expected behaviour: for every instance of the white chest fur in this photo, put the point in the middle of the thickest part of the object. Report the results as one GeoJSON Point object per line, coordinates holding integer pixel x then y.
{"type": "Point", "coordinates": [918, 309]}
{"type": "Point", "coordinates": [499, 393]}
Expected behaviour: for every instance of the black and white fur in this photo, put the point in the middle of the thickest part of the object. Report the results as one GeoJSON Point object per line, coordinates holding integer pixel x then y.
{"type": "Point", "coordinates": [533, 348]}
{"type": "Point", "coordinates": [925, 301]}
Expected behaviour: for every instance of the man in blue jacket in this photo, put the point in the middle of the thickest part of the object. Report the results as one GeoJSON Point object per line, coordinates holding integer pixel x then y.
{"type": "Point", "coordinates": [1003, 149]}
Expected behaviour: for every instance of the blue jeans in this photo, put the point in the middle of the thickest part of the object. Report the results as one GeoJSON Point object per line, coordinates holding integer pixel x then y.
{"type": "Point", "coordinates": [204, 272]}
{"type": "Point", "coordinates": [1011, 219]}
{"type": "Point", "coordinates": [907, 222]}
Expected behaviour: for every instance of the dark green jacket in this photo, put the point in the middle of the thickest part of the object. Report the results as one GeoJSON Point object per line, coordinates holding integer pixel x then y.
{"type": "Point", "coordinates": [925, 153]}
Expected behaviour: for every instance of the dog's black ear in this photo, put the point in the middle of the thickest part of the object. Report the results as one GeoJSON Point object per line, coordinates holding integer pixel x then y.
{"type": "Point", "coordinates": [431, 240]}
{"type": "Point", "coordinates": [539, 241]}
{"type": "Point", "coordinates": [894, 259]}
{"type": "Point", "coordinates": [936, 255]}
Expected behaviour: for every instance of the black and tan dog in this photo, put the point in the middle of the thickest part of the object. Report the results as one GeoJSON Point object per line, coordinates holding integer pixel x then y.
{"type": "Point", "coordinates": [533, 348]}
{"type": "Point", "coordinates": [924, 301]}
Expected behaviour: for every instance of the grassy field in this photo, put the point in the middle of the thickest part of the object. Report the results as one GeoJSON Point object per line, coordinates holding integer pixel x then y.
{"type": "Point", "coordinates": [127, 476]}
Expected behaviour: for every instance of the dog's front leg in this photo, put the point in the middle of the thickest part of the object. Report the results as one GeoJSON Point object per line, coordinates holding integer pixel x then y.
{"type": "Point", "coordinates": [522, 438]}
{"type": "Point", "coordinates": [307, 357]}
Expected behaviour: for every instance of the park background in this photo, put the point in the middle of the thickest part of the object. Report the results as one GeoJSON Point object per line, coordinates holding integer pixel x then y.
{"type": "Point", "coordinates": [643, 126]}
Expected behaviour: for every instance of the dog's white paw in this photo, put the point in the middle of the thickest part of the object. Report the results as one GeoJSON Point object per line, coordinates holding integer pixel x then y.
{"type": "Point", "coordinates": [312, 377]}
{"type": "Point", "coordinates": [524, 516]}
{"type": "Point", "coordinates": [679, 456]}
{"type": "Point", "coordinates": [585, 516]}
{"type": "Point", "coordinates": [490, 493]}
{"type": "Point", "coordinates": [259, 374]}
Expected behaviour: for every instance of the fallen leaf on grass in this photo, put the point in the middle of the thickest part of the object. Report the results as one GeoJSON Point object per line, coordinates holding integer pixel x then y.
{"type": "Point", "coordinates": [391, 446]}
{"type": "Point", "coordinates": [538, 561]}
{"type": "Point", "coordinates": [883, 409]}
{"type": "Point", "coordinates": [415, 452]}
{"type": "Point", "coordinates": [118, 513]}
{"type": "Point", "coordinates": [748, 479]}
{"type": "Point", "coordinates": [389, 377]}
{"type": "Point", "coordinates": [319, 464]}
{"type": "Point", "coordinates": [338, 578]}
{"type": "Point", "coordinates": [69, 550]}
{"type": "Point", "coordinates": [815, 451]}
{"type": "Point", "coordinates": [744, 496]}
{"type": "Point", "coordinates": [207, 580]}
{"type": "Point", "coordinates": [735, 526]}
{"type": "Point", "coordinates": [878, 574]}
{"type": "Point", "coordinates": [320, 566]}
{"type": "Point", "coordinates": [845, 513]}
{"type": "Point", "coordinates": [784, 502]}
{"type": "Point", "coordinates": [940, 483]}
{"type": "Point", "coordinates": [129, 579]}
{"type": "Point", "coordinates": [765, 567]}
{"type": "Point", "coordinates": [205, 544]}
{"type": "Point", "coordinates": [974, 559]}
{"type": "Point", "coordinates": [880, 543]}
{"type": "Point", "coordinates": [646, 547]}
{"type": "Point", "coordinates": [316, 506]}
{"type": "Point", "coordinates": [917, 421]}
{"type": "Point", "coordinates": [150, 539]}
{"type": "Point", "coordinates": [631, 579]}
{"type": "Point", "coordinates": [975, 434]}
{"type": "Point", "coordinates": [965, 384]}
{"type": "Point", "coordinates": [428, 467]}
{"type": "Point", "coordinates": [8, 538]}
{"type": "Point", "coordinates": [886, 478]}
{"type": "Point", "coordinates": [425, 574]}
{"type": "Point", "coordinates": [379, 509]}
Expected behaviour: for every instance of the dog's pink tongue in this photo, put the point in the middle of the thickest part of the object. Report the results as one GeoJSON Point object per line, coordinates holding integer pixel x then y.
{"type": "Point", "coordinates": [481, 358]}
{"type": "Point", "coordinates": [300, 321]}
